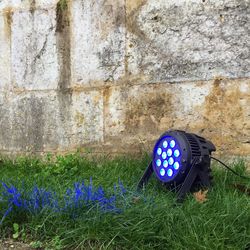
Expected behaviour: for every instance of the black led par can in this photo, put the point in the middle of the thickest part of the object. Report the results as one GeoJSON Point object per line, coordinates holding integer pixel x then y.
{"type": "Point", "coordinates": [181, 162]}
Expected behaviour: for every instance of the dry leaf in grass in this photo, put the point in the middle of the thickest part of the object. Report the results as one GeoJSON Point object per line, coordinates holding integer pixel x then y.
{"type": "Point", "coordinates": [201, 196]}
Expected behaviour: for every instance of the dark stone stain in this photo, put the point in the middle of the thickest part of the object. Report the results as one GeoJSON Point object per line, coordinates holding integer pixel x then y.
{"type": "Point", "coordinates": [5, 124]}
{"type": "Point", "coordinates": [62, 18]}
{"type": "Point", "coordinates": [63, 40]}
{"type": "Point", "coordinates": [32, 6]}
{"type": "Point", "coordinates": [28, 123]}
{"type": "Point", "coordinates": [8, 13]}
{"type": "Point", "coordinates": [63, 43]}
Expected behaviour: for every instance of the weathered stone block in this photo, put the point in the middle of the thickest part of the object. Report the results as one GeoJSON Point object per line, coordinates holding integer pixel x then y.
{"type": "Point", "coordinates": [34, 50]}
{"type": "Point", "coordinates": [5, 30]}
{"type": "Point", "coordinates": [52, 121]}
{"type": "Point", "coordinates": [172, 41]}
{"type": "Point", "coordinates": [98, 41]}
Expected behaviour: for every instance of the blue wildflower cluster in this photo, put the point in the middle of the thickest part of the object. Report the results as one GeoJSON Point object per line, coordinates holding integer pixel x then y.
{"type": "Point", "coordinates": [81, 196]}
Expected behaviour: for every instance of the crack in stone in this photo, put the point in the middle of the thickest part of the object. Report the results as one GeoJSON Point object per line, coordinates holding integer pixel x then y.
{"type": "Point", "coordinates": [42, 50]}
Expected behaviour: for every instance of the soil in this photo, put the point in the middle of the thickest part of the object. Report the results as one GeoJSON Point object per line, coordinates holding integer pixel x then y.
{"type": "Point", "coordinates": [8, 244]}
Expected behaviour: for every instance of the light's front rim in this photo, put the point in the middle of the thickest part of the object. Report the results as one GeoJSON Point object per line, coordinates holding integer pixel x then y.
{"type": "Point", "coordinates": [170, 157]}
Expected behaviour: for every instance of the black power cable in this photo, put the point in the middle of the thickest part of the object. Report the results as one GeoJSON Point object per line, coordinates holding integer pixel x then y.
{"type": "Point", "coordinates": [222, 163]}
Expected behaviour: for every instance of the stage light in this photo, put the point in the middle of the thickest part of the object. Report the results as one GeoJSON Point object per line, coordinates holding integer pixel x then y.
{"type": "Point", "coordinates": [180, 161]}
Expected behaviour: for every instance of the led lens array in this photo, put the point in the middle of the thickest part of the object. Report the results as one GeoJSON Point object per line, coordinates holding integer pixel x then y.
{"type": "Point", "coordinates": [167, 156]}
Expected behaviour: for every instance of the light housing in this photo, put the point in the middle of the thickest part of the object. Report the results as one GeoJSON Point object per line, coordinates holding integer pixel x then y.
{"type": "Point", "coordinates": [180, 161]}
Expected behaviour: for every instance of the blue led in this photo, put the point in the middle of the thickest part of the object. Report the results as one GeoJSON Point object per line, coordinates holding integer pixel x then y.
{"type": "Point", "coordinates": [162, 172]}
{"type": "Point", "coordinates": [165, 144]}
{"type": "Point", "coordinates": [159, 151]}
{"type": "Point", "coordinates": [172, 143]}
{"type": "Point", "coordinates": [169, 152]}
{"type": "Point", "coordinates": [171, 161]}
{"type": "Point", "coordinates": [164, 155]}
{"type": "Point", "coordinates": [176, 153]}
{"type": "Point", "coordinates": [170, 172]}
{"type": "Point", "coordinates": [176, 165]}
{"type": "Point", "coordinates": [165, 164]}
{"type": "Point", "coordinates": [158, 162]}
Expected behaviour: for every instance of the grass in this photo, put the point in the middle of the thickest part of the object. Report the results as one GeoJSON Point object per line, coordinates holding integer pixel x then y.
{"type": "Point", "coordinates": [149, 220]}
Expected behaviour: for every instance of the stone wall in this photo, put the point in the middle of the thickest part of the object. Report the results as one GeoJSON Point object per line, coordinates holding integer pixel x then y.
{"type": "Point", "coordinates": [111, 76]}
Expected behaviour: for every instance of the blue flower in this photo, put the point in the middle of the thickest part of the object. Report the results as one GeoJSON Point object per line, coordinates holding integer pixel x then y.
{"type": "Point", "coordinates": [74, 200]}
